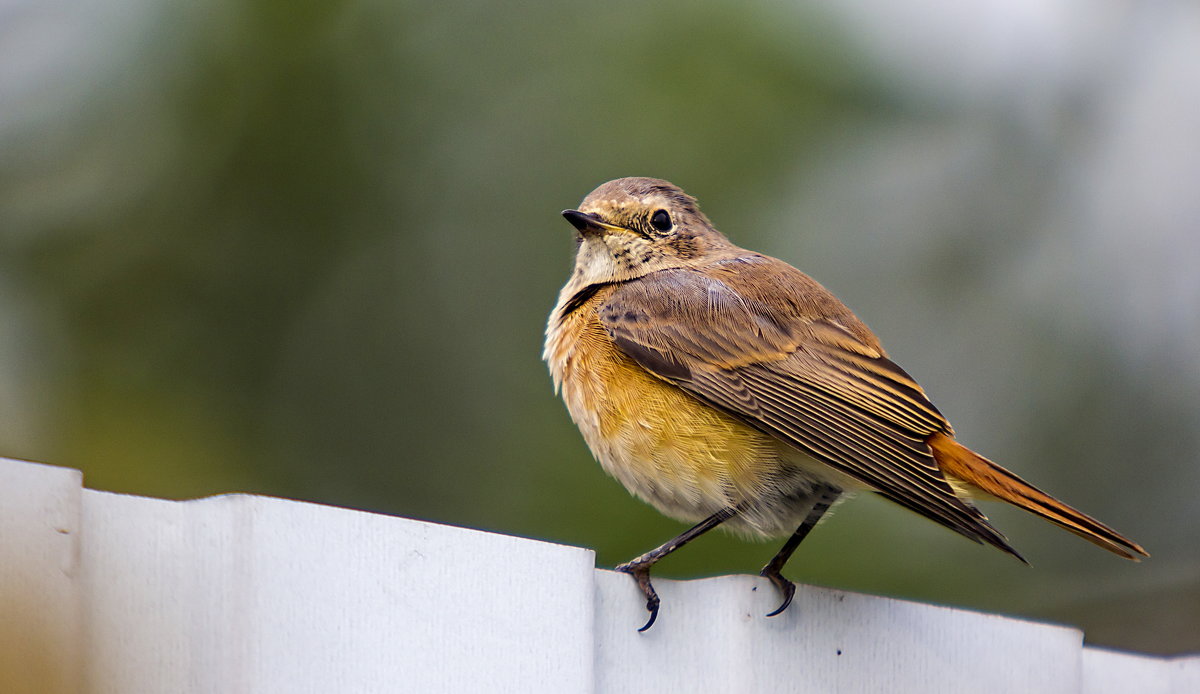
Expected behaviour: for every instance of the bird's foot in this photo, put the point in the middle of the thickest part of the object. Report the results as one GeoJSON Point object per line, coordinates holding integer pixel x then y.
{"type": "Point", "coordinates": [641, 576]}
{"type": "Point", "coordinates": [786, 588]}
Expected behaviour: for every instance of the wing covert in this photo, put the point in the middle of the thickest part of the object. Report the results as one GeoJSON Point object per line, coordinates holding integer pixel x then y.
{"type": "Point", "coordinates": [794, 363]}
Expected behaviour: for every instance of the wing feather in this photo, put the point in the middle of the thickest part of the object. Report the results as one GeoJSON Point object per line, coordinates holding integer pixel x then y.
{"type": "Point", "coordinates": [766, 343]}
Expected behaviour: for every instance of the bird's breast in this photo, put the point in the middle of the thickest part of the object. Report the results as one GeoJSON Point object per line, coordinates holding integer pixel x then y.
{"type": "Point", "coordinates": [665, 446]}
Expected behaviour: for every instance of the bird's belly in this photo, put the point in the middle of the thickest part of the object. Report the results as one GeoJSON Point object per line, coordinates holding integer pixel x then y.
{"type": "Point", "coordinates": [684, 457]}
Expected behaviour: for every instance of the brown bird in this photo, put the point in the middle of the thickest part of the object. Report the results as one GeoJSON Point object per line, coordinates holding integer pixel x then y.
{"type": "Point", "coordinates": [724, 386]}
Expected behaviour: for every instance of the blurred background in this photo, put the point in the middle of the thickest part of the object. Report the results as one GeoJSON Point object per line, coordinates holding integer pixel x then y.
{"type": "Point", "coordinates": [307, 249]}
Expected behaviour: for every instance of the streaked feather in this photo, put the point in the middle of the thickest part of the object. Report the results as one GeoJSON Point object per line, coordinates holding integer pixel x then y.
{"type": "Point", "coordinates": [796, 364]}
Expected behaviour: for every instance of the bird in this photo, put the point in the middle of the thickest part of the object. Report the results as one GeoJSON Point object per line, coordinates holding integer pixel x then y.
{"type": "Point", "coordinates": [727, 388]}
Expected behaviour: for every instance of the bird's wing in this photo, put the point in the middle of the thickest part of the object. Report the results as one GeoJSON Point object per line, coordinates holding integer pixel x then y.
{"type": "Point", "coordinates": [761, 340]}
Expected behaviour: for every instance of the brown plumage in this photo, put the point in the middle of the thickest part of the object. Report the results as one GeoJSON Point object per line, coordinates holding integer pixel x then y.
{"type": "Point", "coordinates": [725, 386]}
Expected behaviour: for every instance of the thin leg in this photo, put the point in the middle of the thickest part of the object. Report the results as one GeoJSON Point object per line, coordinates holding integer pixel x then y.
{"type": "Point", "coordinates": [773, 570]}
{"type": "Point", "coordinates": [640, 568]}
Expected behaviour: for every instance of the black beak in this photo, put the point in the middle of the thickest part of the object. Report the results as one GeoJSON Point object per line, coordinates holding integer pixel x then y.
{"type": "Point", "coordinates": [581, 220]}
{"type": "Point", "coordinates": [590, 223]}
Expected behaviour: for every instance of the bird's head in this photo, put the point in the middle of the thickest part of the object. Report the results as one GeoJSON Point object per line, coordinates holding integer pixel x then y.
{"type": "Point", "coordinates": [631, 227]}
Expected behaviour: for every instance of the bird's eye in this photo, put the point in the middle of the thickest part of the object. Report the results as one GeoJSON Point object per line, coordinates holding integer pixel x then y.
{"type": "Point", "coordinates": [661, 220]}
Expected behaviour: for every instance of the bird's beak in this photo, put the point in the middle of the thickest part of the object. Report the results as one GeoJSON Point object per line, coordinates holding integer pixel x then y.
{"type": "Point", "coordinates": [585, 222]}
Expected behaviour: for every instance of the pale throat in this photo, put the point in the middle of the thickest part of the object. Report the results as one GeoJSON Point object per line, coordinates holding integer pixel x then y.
{"type": "Point", "coordinates": [615, 258]}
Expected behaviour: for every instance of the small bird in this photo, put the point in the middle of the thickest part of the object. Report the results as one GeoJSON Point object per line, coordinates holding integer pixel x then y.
{"type": "Point", "coordinates": [724, 386]}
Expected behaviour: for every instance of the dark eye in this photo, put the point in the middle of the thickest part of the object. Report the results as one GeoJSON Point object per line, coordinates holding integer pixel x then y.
{"type": "Point", "coordinates": [661, 220]}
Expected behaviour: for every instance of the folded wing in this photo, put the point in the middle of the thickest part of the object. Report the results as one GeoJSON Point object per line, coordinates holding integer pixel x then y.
{"type": "Point", "coordinates": [761, 340]}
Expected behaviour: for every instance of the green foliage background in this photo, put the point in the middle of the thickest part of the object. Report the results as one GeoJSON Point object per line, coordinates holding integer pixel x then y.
{"type": "Point", "coordinates": [307, 249]}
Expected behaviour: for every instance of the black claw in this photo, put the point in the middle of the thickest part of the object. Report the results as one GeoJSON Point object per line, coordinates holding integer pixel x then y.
{"type": "Point", "coordinates": [652, 606]}
{"type": "Point", "coordinates": [786, 587]}
{"type": "Point", "coordinates": [641, 576]}
{"type": "Point", "coordinates": [640, 568]}
{"type": "Point", "coordinates": [788, 592]}
{"type": "Point", "coordinates": [824, 496]}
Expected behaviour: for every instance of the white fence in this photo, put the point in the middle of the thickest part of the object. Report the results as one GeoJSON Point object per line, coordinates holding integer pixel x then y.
{"type": "Point", "coordinates": [104, 592]}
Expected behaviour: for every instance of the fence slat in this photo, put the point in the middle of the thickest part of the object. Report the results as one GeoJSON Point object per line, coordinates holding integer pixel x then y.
{"type": "Point", "coordinates": [252, 594]}
{"type": "Point", "coordinates": [108, 594]}
{"type": "Point", "coordinates": [1114, 672]}
{"type": "Point", "coordinates": [713, 635]}
{"type": "Point", "coordinates": [40, 620]}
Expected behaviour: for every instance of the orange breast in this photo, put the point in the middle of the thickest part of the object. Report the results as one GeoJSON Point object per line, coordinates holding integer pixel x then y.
{"type": "Point", "coordinates": [684, 457]}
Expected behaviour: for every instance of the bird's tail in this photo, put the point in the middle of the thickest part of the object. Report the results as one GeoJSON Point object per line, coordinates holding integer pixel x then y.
{"type": "Point", "coordinates": [961, 463]}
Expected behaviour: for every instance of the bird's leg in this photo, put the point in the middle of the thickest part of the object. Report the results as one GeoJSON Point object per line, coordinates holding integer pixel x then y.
{"type": "Point", "coordinates": [825, 496]}
{"type": "Point", "coordinates": [640, 568]}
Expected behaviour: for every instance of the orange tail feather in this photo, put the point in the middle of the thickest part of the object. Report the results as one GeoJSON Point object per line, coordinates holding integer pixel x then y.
{"type": "Point", "coordinates": [961, 463]}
